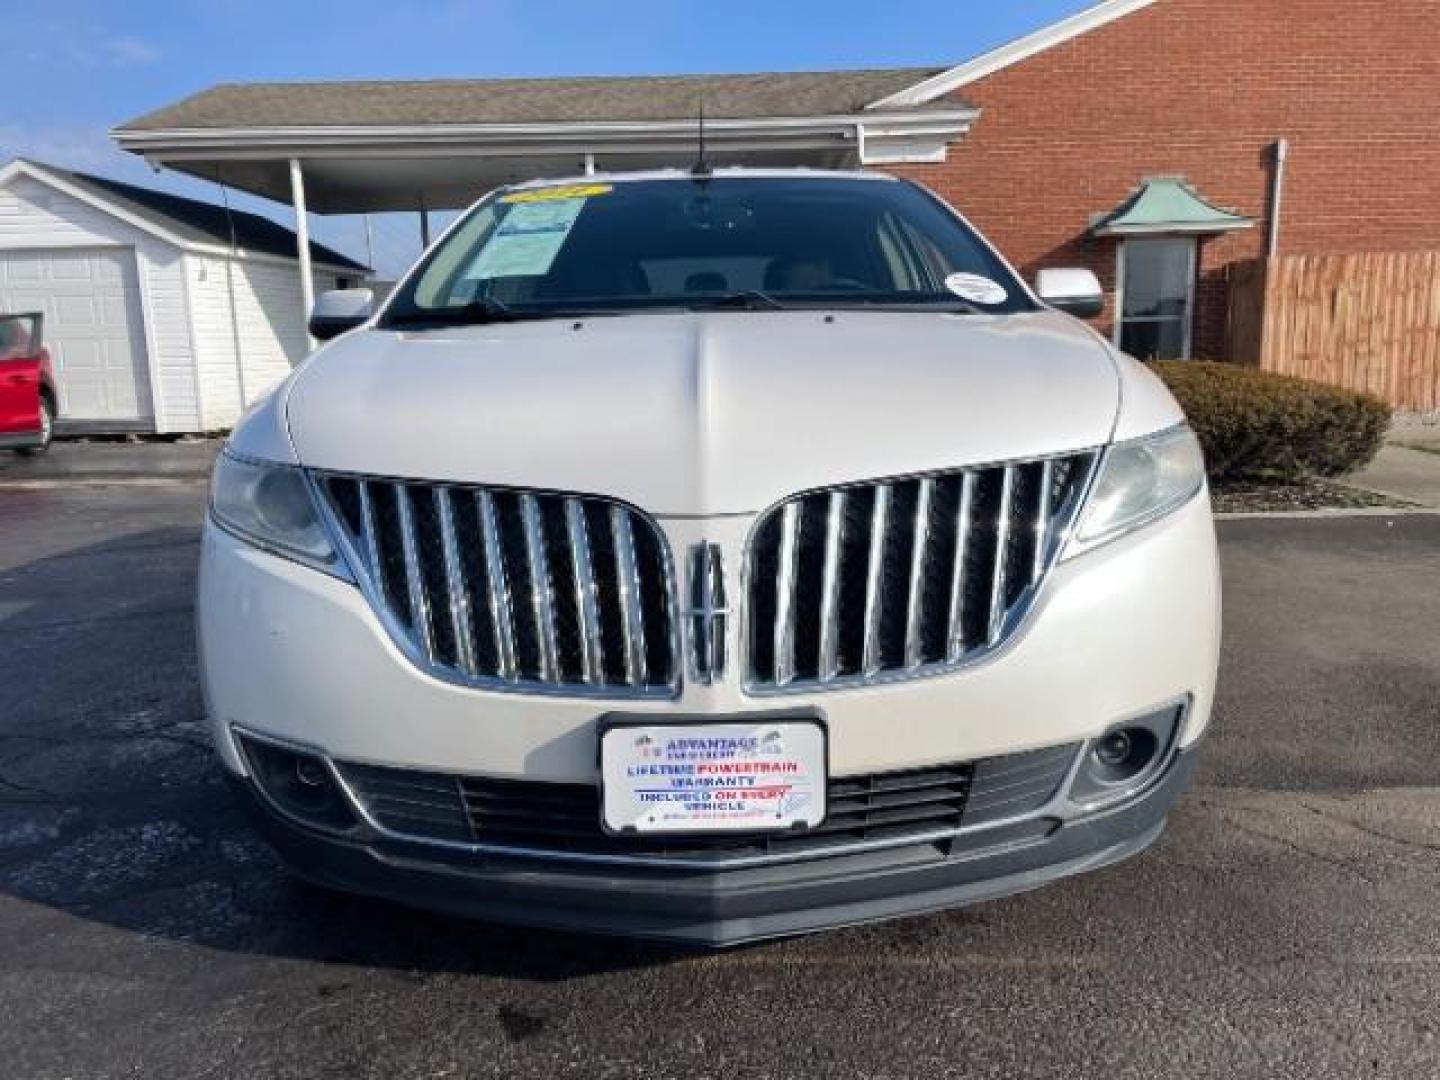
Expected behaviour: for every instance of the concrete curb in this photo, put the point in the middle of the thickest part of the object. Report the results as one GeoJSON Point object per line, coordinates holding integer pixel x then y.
{"type": "Point", "coordinates": [103, 481]}
{"type": "Point", "coordinates": [1330, 515]}
{"type": "Point", "coordinates": [51, 483]}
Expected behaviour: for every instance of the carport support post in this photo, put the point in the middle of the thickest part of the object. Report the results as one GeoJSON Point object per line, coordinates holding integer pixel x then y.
{"type": "Point", "coordinates": [302, 238]}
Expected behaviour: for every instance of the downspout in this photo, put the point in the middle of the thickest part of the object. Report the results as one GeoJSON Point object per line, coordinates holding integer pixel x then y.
{"type": "Point", "coordinates": [1277, 197]}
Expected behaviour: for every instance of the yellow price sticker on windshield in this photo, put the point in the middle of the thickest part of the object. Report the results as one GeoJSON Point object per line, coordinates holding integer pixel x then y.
{"type": "Point", "coordinates": [568, 191]}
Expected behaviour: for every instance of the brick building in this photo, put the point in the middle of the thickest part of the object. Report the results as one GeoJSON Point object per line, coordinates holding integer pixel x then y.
{"type": "Point", "coordinates": [1075, 117]}
{"type": "Point", "coordinates": [1149, 140]}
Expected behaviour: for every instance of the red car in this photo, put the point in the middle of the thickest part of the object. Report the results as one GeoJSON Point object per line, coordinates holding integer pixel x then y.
{"type": "Point", "coordinates": [28, 402]}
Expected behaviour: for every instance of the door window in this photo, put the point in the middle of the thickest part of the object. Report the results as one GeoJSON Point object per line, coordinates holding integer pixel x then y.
{"type": "Point", "coordinates": [19, 336]}
{"type": "Point", "coordinates": [1157, 297]}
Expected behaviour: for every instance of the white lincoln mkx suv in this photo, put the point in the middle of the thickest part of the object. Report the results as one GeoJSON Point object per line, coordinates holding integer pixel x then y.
{"type": "Point", "coordinates": [710, 555]}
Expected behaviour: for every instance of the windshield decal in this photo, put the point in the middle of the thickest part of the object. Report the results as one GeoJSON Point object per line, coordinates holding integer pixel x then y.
{"type": "Point", "coordinates": [550, 194]}
{"type": "Point", "coordinates": [526, 242]}
{"type": "Point", "coordinates": [978, 289]}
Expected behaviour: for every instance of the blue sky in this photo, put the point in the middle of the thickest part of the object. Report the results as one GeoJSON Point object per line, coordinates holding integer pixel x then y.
{"type": "Point", "coordinates": [75, 68]}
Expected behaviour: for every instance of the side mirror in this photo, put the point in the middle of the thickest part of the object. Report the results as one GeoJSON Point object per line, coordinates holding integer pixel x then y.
{"type": "Point", "coordinates": [340, 310]}
{"type": "Point", "coordinates": [1074, 291]}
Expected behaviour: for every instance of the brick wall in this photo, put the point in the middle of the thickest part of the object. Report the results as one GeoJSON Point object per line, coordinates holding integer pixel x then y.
{"type": "Point", "coordinates": [1203, 89]}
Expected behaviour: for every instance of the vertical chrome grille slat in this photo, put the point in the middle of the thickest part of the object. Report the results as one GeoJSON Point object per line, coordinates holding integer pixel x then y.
{"type": "Point", "coordinates": [542, 602]}
{"type": "Point", "coordinates": [369, 538]}
{"type": "Point", "coordinates": [919, 552]}
{"type": "Point", "coordinates": [784, 629]}
{"type": "Point", "coordinates": [923, 575]}
{"type": "Point", "coordinates": [457, 593]}
{"type": "Point", "coordinates": [1002, 543]}
{"type": "Point", "coordinates": [874, 570]}
{"type": "Point", "coordinates": [955, 645]}
{"type": "Point", "coordinates": [520, 590]}
{"type": "Point", "coordinates": [414, 581]}
{"type": "Point", "coordinates": [708, 614]}
{"type": "Point", "coordinates": [830, 587]}
{"type": "Point", "coordinates": [591, 651]}
{"type": "Point", "coordinates": [497, 587]}
{"type": "Point", "coordinates": [632, 613]}
{"type": "Point", "coordinates": [1042, 522]}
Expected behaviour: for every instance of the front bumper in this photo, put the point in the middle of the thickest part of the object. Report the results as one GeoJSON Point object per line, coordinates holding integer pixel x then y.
{"type": "Point", "coordinates": [728, 907]}
{"type": "Point", "coordinates": [21, 440]}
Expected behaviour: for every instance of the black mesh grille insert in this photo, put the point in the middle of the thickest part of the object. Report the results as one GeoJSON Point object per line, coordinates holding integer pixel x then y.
{"type": "Point", "coordinates": [919, 805]}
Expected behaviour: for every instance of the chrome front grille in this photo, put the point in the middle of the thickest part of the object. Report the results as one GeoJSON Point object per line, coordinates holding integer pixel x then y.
{"type": "Point", "coordinates": [902, 577]}
{"type": "Point", "coordinates": [513, 589]}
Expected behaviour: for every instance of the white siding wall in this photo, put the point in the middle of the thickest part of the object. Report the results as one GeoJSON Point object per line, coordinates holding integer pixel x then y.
{"type": "Point", "coordinates": [249, 329]}
{"type": "Point", "coordinates": [36, 216]}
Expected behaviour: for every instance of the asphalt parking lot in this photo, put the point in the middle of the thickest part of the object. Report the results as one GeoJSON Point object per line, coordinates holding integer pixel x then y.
{"type": "Point", "coordinates": [1286, 926]}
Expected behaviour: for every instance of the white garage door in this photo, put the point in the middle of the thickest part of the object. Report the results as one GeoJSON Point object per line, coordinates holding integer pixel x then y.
{"type": "Point", "coordinates": [91, 301]}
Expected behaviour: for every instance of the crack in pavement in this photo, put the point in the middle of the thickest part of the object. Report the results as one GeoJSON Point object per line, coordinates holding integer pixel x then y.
{"type": "Point", "coordinates": [1368, 830]}
{"type": "Point", "coordinates": [1291, 845]}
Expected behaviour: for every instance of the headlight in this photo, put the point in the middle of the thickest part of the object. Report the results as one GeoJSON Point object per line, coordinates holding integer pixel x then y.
{"type": "Point", "coordinates": [1140, 481]}
{"type": "Point", "coordinates": [270, 506]}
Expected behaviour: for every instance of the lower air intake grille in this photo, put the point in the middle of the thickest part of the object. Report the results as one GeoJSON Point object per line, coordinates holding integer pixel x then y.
{"type": "Point", "coordinates": [903, 577]}
{"type": "Point", "coordinates": [919, 806]}
{"type": "Point", "coordinates": [513, 589]}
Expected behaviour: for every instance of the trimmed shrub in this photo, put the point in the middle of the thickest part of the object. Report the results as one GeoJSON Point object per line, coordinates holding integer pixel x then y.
{"type": "Point", "coordinates": [1255, 425]}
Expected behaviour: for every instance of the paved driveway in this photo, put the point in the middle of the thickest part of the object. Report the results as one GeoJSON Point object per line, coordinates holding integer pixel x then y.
{"type": "Point", "coordinates": [1287, 926]}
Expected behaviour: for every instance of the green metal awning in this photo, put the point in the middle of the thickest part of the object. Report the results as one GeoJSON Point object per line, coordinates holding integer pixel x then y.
{"type": "Point", "coordinates": [1167, 205]}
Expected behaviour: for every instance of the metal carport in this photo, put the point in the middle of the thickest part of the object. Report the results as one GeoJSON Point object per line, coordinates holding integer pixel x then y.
{"type": "Point", "coordinates": [362, 147]}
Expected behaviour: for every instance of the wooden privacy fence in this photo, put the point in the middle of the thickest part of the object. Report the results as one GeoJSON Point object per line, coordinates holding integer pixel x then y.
{"type": "Point", "coordinates": [1366, 322]}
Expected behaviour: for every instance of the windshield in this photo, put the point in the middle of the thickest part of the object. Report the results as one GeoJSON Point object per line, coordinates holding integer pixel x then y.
{"type": "Point", "coordinates": [703, 242]}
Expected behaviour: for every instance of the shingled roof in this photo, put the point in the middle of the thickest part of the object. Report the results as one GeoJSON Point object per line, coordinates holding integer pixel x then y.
{"type": "Point", "coordinates": [521, 101]}
{"type": "Point", "coordinates": [199, 222]}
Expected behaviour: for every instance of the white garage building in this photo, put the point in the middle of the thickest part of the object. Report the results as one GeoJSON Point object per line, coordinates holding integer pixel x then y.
{"type": "Point", "coordinates": [162, 314]}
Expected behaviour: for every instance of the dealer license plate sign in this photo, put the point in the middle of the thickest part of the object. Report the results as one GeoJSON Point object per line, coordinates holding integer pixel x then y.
{"type": "Point", "coordinates": [706, 778]}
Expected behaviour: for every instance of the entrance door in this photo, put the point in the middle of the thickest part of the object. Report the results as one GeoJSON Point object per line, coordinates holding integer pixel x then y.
{"type": "Point", "coordinates": [1157, 297]}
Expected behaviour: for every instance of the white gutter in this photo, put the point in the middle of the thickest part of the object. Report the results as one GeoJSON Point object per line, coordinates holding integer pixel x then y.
{"type": "Point", "coordinates": [319, 138]}
{"type": "Point", "coordinates": [1048, 37]}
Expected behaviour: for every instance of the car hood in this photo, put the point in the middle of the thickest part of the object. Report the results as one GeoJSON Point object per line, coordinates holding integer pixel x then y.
{"type": "Point", "coordinates": [703, 413]}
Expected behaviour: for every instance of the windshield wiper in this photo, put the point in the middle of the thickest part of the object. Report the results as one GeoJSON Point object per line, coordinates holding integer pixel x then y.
{"type": "Point", "coordinates": [745, 300]}
{"type": "Point", "coordinates": [482, 311]}
{"type": "Point", "coordinates": [943, 304]}
{"type": "Point", "coordinates": [478, 311]}
{"type": "Point", "coordinates": [755, 300]}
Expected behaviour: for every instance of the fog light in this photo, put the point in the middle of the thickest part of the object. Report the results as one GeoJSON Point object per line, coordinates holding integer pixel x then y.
{"type": "Point", "coordinates": [1123, 754]}
{"type": "Point", "coordinates": [297, 784]}
{"type": "Point", "coordinates": [310, 772]}
{"type": "Point", "coordinates": [1126, 758]}
{"type": "Point", "coordinates": [1114, 749]}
